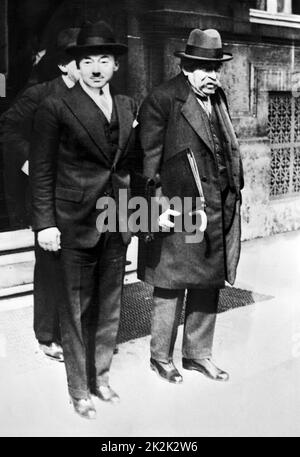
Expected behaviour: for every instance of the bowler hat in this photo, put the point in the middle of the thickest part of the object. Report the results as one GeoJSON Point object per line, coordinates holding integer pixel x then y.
{"type": "Point", "coordinates": [205, 45]}
{"type": "Point", "coordinates": [97, 37]}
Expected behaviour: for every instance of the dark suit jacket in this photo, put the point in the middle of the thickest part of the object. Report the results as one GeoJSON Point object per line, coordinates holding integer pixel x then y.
{"type": "Point", "coordinates": [71, 163]}
{"type": "Point", "coordinates": [15, 133]}
{"type": "Point", "coordinates": [172, 121]}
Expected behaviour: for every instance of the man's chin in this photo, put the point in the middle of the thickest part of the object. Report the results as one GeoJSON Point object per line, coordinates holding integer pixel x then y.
{"type": "Point", "coordinates": [209, 90]}
{"type": "Point", "coordinates": [96, 85]}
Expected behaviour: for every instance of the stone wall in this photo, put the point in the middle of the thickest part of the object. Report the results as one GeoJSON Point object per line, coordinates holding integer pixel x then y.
{"type": "Point", "coordinates": [261, 215]}
{"type": "Point", "coordinates": [258, 69]}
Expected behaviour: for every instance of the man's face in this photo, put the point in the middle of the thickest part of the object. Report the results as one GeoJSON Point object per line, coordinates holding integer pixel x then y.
{"type": "Point", "coordinates": [97, 70]}
{"type": "Point", "coordinates": [205, 77]}
{"type": "Point", "coordinates": [71, 71]}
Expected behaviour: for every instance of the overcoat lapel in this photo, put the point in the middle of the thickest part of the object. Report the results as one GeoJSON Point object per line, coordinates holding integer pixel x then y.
{"type": "Point", "coordinates": [198, 119]}
{"type": "Point", "coordinates": [87, 113]}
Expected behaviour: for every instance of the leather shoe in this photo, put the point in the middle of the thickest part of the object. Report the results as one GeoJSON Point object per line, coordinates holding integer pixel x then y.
{"type": "Point", "coordinates": [84, 407]}
{"type": "Point", "coordinates": [206, 367]}
{"type": "Point", "coordinates": [106, 393]}
{"type": "Point", "coordinates": [166, 371]}
{"type": "Point", "coordinates": [53, 350]}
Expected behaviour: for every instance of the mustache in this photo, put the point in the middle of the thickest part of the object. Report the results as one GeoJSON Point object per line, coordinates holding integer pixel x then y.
{"type": "Point", "coordinates": [210, 80]}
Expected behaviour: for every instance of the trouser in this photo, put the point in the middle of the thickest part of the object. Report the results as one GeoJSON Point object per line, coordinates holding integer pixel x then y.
{"type": "Point", "coordinates": [90, 312]}
{"type": "Point", "coordinates": [47, 295]}
{"type": "Point", "coordinates": [199, 322]}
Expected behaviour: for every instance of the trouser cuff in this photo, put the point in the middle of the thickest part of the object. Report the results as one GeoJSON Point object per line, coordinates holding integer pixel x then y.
{"type": "Point", "coordinates": [197, 355]}
{"type": "Point", "coordinates": [103, 381]}
{"type": "Point", "coordinates": [46, 337]}
{"type": "Point", "coordinates": [161, 357]}
{"type": "Point", "coordinates": [79, 393]}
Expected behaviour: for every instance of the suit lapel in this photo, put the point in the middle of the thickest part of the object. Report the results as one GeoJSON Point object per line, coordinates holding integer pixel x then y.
{"type": "Point", "coordinates": [125, 118]}
{"type": "Point", "coordinates": [198, 119]}
{"type": "Point", "coordinates": [87, 113]}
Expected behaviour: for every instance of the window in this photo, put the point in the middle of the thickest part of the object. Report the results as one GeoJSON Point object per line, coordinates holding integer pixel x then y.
{"type": "Point", "coordinates": [278, 6]}
{"type": "Point", "coordinates": [296, 7]}
{"type": "Point", "coordinates": [282, 13]}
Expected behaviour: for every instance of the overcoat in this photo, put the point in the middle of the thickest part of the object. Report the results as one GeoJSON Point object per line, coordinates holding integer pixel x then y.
{"type": "Point", "coordinates": [71, 164]}
{"type": "Point", "coordinates": [16, 123]}
{"type": "Point", "coordinates": [172, 121]}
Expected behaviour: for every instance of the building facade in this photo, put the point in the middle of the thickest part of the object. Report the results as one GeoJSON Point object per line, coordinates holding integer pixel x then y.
{"type": "Point", "coordinates": [262, 82]}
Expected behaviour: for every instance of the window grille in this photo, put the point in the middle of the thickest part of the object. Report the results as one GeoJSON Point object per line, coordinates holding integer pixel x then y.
{"type": "Point", "coordinates": [284, 135]}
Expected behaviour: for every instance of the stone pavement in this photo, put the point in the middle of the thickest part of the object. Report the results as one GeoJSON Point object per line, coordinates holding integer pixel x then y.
{"type": "Point", "coordinates": [258, 344]}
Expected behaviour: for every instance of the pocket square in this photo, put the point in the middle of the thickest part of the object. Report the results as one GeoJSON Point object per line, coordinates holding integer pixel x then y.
{"type": "Point", "coordinates": [25, 168]}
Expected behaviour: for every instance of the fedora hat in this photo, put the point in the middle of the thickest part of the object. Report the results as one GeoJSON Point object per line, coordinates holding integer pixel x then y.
{"type": "Point", "coordinates": [97, 37]}
{"type": "Point", "coordinates": [56, 52]}
{"type": "Point", "coordinates": [65, 39]}
{"type": "Point", "coordinates": [47, 69]}
{"type": "Point", "coordinates": [205, 45]}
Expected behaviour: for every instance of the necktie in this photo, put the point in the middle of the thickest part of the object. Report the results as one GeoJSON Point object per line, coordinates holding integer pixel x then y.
{"type": "Point", "coordinates": [104, 105]}
{"type": "Point", "coordinates": [205, 103]}
{"type": "Point", "coordinates": [201, 97]}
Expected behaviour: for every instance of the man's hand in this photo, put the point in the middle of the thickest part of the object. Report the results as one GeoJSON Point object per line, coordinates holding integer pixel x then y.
{"type": "Point", "coordinates": [164, 219]}
{"type": "Point", "coordinates": [49, 239]}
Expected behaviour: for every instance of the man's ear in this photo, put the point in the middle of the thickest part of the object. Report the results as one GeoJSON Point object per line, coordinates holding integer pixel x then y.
{"type": "Point", "coordinates": [116, 66]}
{"type": "Point", "coordinates": [63, 68]}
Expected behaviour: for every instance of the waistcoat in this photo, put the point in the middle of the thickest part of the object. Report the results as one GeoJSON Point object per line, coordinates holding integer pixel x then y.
{"type": "Point", "coordinates": [220, 148]}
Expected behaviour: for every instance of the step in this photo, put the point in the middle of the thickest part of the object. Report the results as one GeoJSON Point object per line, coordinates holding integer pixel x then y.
{"type": "Point", "coordinates": [15, 291]}
{"type": "Point", "coordinates": [16, 268]}
{"type": "Point", "coordinates": [16, 262]}
{"type": "Point", "coordinates": [16, 240]}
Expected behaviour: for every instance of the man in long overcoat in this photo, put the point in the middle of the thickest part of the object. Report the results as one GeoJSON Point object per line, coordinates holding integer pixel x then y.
{"type": "Point", "coordinates": [81, 152]}
{"type": "Point", "coordinates": [189, 115]}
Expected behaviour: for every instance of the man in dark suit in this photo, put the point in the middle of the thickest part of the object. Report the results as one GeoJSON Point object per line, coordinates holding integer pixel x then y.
{"type": "Point", "coordinates": [16, 129]}
{"type": "Point", "coordinates": [186, 118]}
{"type": "Point", "coordinates": [81, 151]}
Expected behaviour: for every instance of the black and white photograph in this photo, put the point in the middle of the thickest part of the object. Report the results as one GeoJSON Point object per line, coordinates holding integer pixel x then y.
{"type": "Point", "coordinates": [149, 221]}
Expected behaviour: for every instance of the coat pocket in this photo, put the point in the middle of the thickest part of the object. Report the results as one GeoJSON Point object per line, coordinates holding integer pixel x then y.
{"type": "Point", "coordinates": [69, 195]}
{"type": "Point", "coordinates": [177, 178]}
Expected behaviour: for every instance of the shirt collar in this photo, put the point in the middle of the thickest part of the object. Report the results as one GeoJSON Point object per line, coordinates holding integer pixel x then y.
{"type": "Point", "coordinates": [68, 82]}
